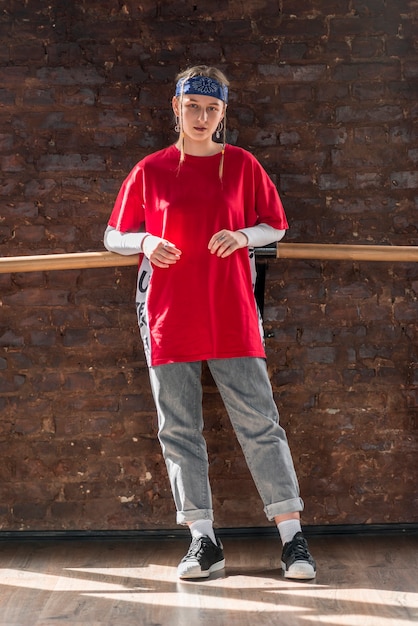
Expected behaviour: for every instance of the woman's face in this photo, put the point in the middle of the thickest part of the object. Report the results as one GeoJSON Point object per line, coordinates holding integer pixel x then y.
{"type": "Point", "coordinates": [200, 115]}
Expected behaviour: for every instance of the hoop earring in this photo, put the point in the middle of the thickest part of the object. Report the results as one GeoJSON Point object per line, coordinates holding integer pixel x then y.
{"type": "Point", "coordinates": [177, 126]}
{"type": "Point", "coordinates": [219, 129]}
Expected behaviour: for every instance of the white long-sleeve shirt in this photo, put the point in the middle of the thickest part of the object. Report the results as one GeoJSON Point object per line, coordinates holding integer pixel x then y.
{"type": "Point", "coordinates": [131, 243]}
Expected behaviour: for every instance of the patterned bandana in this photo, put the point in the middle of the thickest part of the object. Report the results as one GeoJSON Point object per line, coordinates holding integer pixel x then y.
{"type": "Point", "coordinates": [202, 86]}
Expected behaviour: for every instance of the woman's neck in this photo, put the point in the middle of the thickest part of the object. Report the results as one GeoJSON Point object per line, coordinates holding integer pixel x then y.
{"type": "Point", "coordinates": [202, 149]}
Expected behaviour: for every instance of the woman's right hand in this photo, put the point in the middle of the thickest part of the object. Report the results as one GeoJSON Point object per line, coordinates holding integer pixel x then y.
{"type": "Point", "coordinates": [160, 252]}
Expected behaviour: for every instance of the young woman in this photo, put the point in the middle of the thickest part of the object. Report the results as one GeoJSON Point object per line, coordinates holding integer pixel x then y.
{"type": "Point", "coordinates": [195, 210]}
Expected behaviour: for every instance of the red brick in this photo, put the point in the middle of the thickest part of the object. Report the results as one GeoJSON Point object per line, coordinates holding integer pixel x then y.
{"type": "Point", "coordinates": [63, 162]}
{"type": "Point", "coordinates": [332, 181]}
{"type": "Point", "coordinates": [369, 179]}
{"type": "Point", "coordinates": [328, 92]}
{"type": "Point", "coordinates": [27, 512]}
{"type": "Point", "coordinates": [353, 71]}
{"type": "Point", "coordinates": [388, 113]}
{"type": "Point", "coordinates": [326, 7]}
{"type": "Point", "coordinates": [292, 93]}
{"type": "Point", "coordinates": [33, 50]}
{"type": "Point", "coordinates": [361, 25]}
{"type": "Point", "coordinates": [405, 180]}
{"type": "Point", "coordinates": [297, 73]}
{"type": "Point", "coordinates": [367, 46]}
{"type": "Point", "coordinates": [39, 97]}
{"type": "Point", "coordinates": [38, 297]}
{"type": "Point", "coordinates": [70, 76]}
{"type": "Point", "coordinates": [400, 46]}
{"type": "Point", "coordinates": [67, 53]}
{"type": "Point", "coordinates": [75, 97]}
{"type": "Point", "coordinates": [12, 163]}
{"type": "Point", "coordinates": [307, 28]}
{"type": "Point", "coordinates": [13, 75]}
{"type": "Point", "coordinates": [368, 91]}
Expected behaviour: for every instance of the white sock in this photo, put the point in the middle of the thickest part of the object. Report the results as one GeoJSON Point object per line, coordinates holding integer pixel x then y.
{"type": "Point", "coordinates": [288, 529]}
{"type": "Point", "coordinates": [203, 528]}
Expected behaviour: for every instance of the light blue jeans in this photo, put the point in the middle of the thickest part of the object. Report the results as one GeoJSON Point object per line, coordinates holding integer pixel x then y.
{"type": "Point", "coordinates": [246, 392]}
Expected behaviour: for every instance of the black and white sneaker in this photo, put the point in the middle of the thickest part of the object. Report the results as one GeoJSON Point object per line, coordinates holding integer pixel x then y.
{"type": "Point", "coordinates": [297, 561]}
{"type": "Point", "coordinates": [202, 559]}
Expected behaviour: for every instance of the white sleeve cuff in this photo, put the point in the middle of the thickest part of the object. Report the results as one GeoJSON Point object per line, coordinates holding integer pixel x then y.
{"type": "Point", "coordinates": [123, 243]}
{"type": "Point", "coordinates": [262, 235]}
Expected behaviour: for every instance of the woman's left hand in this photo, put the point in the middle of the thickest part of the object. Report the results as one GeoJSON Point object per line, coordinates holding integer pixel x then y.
{"type": "Point", "coordinates": [225, 242]}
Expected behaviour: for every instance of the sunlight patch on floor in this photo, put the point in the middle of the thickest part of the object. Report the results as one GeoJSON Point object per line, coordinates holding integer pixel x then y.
{"type": "Point", "coordinates": [159, 586]}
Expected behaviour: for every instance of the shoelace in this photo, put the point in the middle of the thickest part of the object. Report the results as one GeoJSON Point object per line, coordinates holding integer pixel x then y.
{"type": "Point", "coordinates": [195, 547]}
{"type": "Point", "coordinates": [300, 550]}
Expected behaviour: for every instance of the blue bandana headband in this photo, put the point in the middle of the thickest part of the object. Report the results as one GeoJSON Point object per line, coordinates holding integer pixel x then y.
{"type": "Point", "coordinates": [202, 86]}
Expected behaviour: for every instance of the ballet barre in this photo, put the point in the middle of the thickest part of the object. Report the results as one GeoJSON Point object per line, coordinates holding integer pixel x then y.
{"type": "Point", "coordinates": [307, 251]}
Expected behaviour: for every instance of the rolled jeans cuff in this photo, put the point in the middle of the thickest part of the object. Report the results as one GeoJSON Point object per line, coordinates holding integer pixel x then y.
{"type": "Point", "coordinates": [281, 508]}
{"type": "Point", "coordinates": [184, 517]}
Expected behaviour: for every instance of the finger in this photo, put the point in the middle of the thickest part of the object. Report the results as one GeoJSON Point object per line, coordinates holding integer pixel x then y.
{"type": "Point", "coordinates": [228, 250]}
{"type": "Point", "coordinates": [171, 248]}
{"type": "Point", "coordinates": [165, 254]}
{"type": "Point", "coordinates": [165, 247]}
{"type": "Point", "coordinates": [213, 239]}
{"type": "Point", "coordinates": [219, 236]}
{"type": "Point", "coordinates": [218, 241]}
{"type": "Point", "coordinates": [168, 250]}
{"type": "Point", "coordinates": [160, 261]}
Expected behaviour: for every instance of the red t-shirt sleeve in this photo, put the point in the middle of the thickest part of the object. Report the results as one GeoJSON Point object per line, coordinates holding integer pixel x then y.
{"type": "Point", "coordinates": [269, 207]}
{"type": "Point", "coordinates": [128, 212]}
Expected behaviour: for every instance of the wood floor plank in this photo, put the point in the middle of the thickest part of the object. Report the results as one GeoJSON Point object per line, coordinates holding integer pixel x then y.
{"type": "Point", "coordinates": [362, 581]}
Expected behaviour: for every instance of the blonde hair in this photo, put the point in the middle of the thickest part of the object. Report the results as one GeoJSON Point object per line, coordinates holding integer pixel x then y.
{"type": "Point", "coordinates": [219, 76]}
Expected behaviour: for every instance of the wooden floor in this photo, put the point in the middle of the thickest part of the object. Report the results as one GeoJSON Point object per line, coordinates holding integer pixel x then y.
{"type": "Point", "coordinates": [362, 580]}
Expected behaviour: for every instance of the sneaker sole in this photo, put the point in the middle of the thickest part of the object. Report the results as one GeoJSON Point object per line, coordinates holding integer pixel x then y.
{"type": "Point", "coordinates": [299, 571]}
{"type": "Point", "coordinates": [203, 573]}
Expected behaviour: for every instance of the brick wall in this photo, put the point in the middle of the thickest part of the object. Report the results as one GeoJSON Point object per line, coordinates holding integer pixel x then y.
{"type": "Point", "coordinates": [325, 95]}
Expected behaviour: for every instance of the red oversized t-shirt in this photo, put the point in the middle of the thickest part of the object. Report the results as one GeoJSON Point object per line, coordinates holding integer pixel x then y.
{"type": "Point", "coordinates": [203, 307]}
